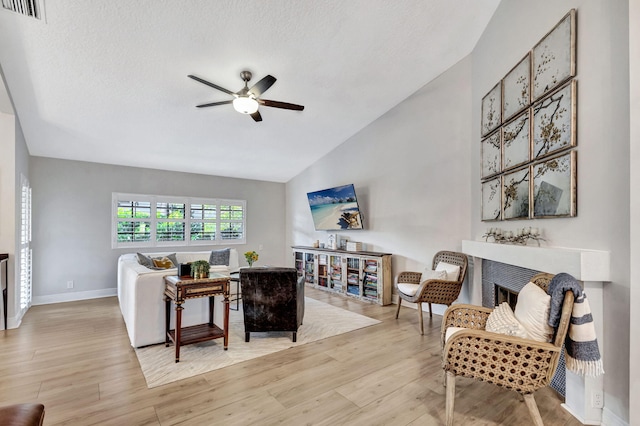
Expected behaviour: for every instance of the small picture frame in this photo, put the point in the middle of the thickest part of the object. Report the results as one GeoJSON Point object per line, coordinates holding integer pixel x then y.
{"type": "Point", "coordinates": [491, 200]}
{"type": "Point", "coordinates": [491, 110]}
{"type": "Point", "coordinates": [554, 186]}
{"type": "Point", "coordinates": [554, 57]}
{"type": "Point", "coordinates": [516, 141]}
{"type": "Point", "coordinates": [516, 89]}
{"type": "Point", "coordinates": [491, 158]}
{"type": "Point", "coordinates": [515, 194]}
{"type": "Point", "coordinates": [554, 121]}
{"type": "Point", "coordinates": [332, 241]}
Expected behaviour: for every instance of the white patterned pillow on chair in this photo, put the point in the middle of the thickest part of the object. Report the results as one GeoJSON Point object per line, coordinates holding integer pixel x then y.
{"type": "Point", "coordinates": [502, 320]}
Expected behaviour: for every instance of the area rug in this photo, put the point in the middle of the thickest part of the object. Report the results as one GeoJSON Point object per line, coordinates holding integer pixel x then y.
{"type": "Point", "coordinates": [321, 320]}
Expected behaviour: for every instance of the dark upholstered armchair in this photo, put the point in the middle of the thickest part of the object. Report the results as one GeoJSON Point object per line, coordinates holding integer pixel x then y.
{"type": "Point", "coordinates": [30, 414]}
{"type": "Point", "coordinates": [272, 300]}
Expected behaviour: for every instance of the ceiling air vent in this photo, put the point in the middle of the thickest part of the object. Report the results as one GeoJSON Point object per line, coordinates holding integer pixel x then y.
{"type": "Point", "coordinates": [31, 8]}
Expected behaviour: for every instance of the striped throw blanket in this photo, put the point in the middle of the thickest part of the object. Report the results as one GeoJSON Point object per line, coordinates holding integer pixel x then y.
{"type": "Point", "coordinates": [582, 355]}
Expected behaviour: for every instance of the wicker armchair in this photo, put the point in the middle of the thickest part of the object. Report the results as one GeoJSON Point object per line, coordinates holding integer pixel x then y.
{"type": "Point", "coordinates": [433, 291]}
{"type": "Point", "coordinates": [521, 365]}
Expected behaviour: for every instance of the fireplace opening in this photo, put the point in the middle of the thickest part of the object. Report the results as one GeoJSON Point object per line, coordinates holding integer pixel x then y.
{"type": "Point", "coordinates": [503, 294]}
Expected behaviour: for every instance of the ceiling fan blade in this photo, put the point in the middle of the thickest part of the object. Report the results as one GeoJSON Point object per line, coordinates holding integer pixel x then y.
{"type": "Point", "coordinates": [256, 116]}
{"type": "Point", "coordinates": [262, 86]}
{"type": "Point", "coordinates": [215, 104]}
{"type": "Point", "coordinates": [215, 86]}
{"type": "Point", "coordinates": [283, 105]}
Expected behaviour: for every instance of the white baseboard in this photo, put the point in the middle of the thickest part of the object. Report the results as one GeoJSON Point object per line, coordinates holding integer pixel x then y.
{"type": "Point", "coordinates": [74, 296]}
{"type": "Point", "coordinates": [609, 418]}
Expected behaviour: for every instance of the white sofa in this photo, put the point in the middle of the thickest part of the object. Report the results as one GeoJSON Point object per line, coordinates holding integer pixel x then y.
{"type": "Point", "coordinates": [141, 290]}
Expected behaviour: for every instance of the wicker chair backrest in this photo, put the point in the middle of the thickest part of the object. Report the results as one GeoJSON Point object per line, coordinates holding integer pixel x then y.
{"type": "Point", "coordinates": [542, 280]}
{"type": "Point", "coordinates": [454, 258]}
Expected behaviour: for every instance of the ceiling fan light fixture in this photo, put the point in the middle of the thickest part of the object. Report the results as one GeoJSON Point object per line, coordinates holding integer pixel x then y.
{"type": "Point", "coordinates": [245, 104]}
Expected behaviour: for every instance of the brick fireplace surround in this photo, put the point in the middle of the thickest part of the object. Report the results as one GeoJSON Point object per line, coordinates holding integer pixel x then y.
{"type": "Point", "coordinates": [591, 267]}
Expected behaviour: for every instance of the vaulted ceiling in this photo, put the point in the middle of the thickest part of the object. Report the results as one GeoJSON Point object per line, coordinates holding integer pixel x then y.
{"type": "Point", "coordinates": [106, 81]}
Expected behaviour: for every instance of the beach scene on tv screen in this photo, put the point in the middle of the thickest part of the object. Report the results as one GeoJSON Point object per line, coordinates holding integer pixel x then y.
{"type": "Point", "coordinates": [335, 208]}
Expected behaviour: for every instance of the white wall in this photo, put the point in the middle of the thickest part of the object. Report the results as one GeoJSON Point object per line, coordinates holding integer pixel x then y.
{"type": "Point", "coordinates": [14, 161]}
{"type": "Point", "coordinates": [72, 220]}
{"type": "Point", "coordinates": [634, 74]}
{"type": "Point", "coordinates": [603, 149]}
{"type": "Point", "coordinates": [7, 200]}
{"type": "Point", "coordinates": [409, 166]}
{"type": "Point", "coordinates": [411, 174]}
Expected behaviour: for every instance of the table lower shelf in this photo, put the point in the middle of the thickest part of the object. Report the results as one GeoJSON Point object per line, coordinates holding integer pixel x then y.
{"type": "Point", "coordinates": [196, 334]}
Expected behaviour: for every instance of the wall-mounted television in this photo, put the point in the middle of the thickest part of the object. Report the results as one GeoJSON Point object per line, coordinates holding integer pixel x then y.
{"type": "Point", "coordinates": [335, 209]}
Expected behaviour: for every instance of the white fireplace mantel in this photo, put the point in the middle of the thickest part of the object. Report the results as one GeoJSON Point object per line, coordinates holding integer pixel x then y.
{"type": "Point", "coordinates": [592, 267]}
{"type": "Point", "coordinates": [582, 264]}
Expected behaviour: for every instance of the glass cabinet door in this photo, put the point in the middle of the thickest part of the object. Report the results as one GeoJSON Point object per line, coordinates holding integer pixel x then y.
{"type": "Point", "coordinates": [309, 268]}
{"type": "Point", "coordinates": [353, 276]}
{"type": "Point", "coordinates": [335, 272]}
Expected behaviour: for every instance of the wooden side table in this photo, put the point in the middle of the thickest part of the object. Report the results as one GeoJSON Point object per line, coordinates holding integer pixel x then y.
{"type": "Point", "coordinates": [178, 289]}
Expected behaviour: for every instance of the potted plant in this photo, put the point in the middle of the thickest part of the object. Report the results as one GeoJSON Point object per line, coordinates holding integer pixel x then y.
{"type": "Point", "coordinates": [200, 269]}
{"type": "Point", "coordinates": [251, 257]}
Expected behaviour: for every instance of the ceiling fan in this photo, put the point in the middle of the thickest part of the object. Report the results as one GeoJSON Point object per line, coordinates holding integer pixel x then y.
{"type": "Point", "coordinates": [247, 100]}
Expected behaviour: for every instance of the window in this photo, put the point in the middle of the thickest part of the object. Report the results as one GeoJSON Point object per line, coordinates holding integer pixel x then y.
{"type": "Point", "coordinates": [25, 245]}
{"type": "Point", "coordinates": [154, 220]}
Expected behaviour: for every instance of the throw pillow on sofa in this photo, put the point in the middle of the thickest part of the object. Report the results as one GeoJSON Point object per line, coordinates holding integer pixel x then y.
{"type": "Point", "coordinates": [147, 261]}
{"type": "Point", "coordinates": [163, 263]}
{"type": "Point", "coordinates": [219, 257]}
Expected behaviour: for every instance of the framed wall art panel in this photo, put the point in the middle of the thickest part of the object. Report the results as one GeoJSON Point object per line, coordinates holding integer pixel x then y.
{"type": "Point", "coordinates": [516, 93]}
{"type": "Point", "coordinates": [554, 121]}
{"type": "Point", "coordinates": [516, 141]}
{"type": "Point", "coordinates": [515, 194]}
{"type": "Point", "coordinates": [491, 199]}
{"type": "Point", "coordinates": [554, 186]}
{"type": "Point", "coordinates": [491, 158]}
{"type": "Point", "coordinates": [554, 57]}
{"type": "Point", "coordinates": [491, 110]}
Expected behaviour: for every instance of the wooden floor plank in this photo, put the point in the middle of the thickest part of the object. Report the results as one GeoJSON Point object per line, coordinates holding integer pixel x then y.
{"type": "Point", "coordinates": [76, 358]}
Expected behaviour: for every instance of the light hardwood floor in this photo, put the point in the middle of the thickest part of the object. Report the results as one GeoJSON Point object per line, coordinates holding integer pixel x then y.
{"type": "Point", "coordinates": [75, 358]}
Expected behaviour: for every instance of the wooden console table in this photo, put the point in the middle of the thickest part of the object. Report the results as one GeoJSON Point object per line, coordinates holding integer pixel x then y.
{"type": "Point", "coordinates": [178, 289]}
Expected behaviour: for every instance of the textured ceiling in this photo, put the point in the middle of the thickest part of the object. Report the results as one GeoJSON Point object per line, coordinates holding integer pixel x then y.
{"type": "Point", "coordinates": [106, 81]}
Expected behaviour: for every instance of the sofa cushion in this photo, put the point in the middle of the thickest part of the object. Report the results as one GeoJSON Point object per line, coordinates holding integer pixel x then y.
{"type": "Point", "coordinates": [219, 257]}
